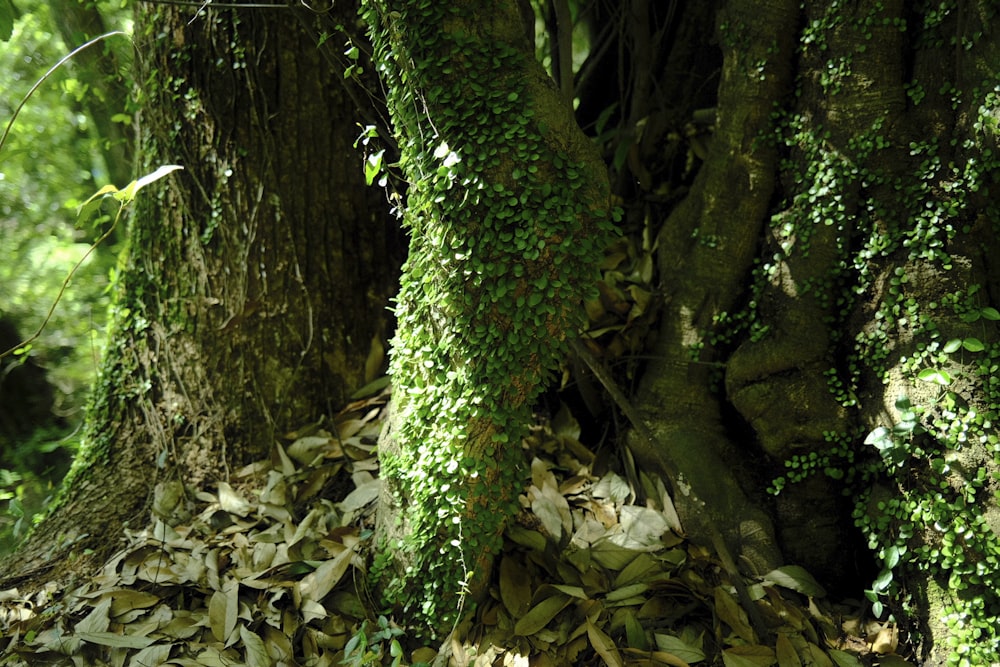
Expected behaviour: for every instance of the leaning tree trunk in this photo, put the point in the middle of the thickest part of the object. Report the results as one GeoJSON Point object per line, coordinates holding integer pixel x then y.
{"type": "Point", "coordinates": [508, 215]}
{"type": "Point", "coordinates": [707, 250]}
{"type": "Point", "coordinates": [256, 280]}
{"type": "Point", "coordinates": [863, 352]}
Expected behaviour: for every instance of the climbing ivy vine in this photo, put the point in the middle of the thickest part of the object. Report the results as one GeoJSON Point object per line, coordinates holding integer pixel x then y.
{"type": "Point", "coordinates": [507, 219]}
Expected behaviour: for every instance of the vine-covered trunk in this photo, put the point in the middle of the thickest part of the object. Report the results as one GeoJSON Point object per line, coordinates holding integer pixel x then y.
{"type": "Point", "coordinates": [831, 284]}
{"type": "Point", "coordinates": [508, 213]}
{"type": "Point", "coordinates": [254, 289]}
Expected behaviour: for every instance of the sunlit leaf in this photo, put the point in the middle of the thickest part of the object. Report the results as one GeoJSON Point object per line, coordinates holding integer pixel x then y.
{"type": "Point", "coordinates": [973, 345]}
{"type": "Point", "coordinates": [129, 192]}
{"type": "Point", "coordinates": [88, 208]}
{"type": "Point", "coordinates": [641, 528]}
{"type": "Point", "coordinates": [935, 376]}
{"type": "Point", "coordinates": [612, 486]}
{"type": "Point", "coordinates": [233, 502]}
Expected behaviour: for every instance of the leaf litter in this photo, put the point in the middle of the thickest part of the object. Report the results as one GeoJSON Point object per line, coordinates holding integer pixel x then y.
{"type": "Point", "coordinates": [266, 570]}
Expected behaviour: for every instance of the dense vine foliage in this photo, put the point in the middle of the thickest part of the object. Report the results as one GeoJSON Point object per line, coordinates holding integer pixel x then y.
{"type": "Point", "coordinates": [506, 228]}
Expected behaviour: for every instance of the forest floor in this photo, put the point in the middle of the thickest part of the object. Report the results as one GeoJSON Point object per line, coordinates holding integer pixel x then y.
{"type": "Point", "coordinates": [269, 569]}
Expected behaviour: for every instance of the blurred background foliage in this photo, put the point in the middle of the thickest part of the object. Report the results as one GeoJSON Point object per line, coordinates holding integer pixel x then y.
{"type": "Point", "coordinates": [69, 139]}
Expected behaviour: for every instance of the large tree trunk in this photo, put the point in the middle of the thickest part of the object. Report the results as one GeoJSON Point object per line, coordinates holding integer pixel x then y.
{"type": "Point", "coordinates": [256, 280]}
{"type": "Point", "coordinates": [830, 259]}
{"type": "Point", "coordinates": [707, 249]}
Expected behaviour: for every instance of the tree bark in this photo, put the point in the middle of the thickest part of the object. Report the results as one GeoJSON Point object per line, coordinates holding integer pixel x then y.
{"type": "Point", "coordinates": [256, 280]}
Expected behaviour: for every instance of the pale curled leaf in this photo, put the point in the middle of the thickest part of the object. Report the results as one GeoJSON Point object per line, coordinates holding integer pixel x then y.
{"type": "Point", "coordinates": [233, 502]}
{"type": "Point", "coordinates": [613, 487]}
{"type": "Point", "coordinates": [549, 506]}
{"type": "Point", "coordinates": [132, 188]}
{"type": "Point", "coordinates": [312, 610]}
{"type": "Point", "coordinates": [641, 529]}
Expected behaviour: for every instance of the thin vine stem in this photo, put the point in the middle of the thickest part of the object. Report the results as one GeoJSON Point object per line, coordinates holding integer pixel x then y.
{"type": "Point", "coordinates": [62, 61]}
{"type": "Point", "coordinates": [65, 283]}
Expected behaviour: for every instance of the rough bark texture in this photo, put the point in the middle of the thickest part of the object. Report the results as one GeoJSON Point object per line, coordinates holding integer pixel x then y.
{"type": "Point", "coordinates": [256, 280]}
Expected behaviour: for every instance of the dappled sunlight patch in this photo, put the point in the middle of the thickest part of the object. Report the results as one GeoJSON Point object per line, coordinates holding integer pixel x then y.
{"type": "Point", "coordinates": [270, 569]}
